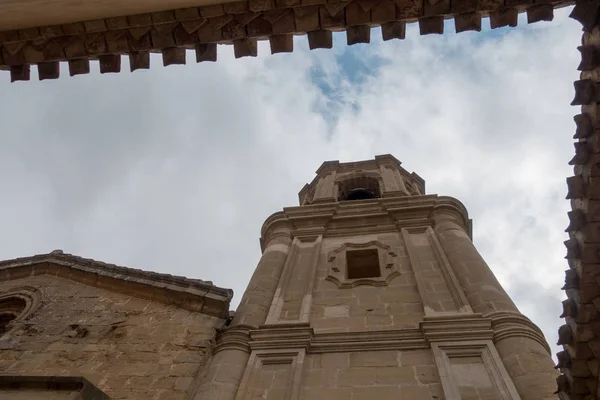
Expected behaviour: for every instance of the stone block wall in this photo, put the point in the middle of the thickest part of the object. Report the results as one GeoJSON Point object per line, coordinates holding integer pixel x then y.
{"type": "Point", "coordinates": [408, 374]}
{"type": "Point", "coordinates": [364, 307]}
{"type": "Point", "coordinates": [126, 346]}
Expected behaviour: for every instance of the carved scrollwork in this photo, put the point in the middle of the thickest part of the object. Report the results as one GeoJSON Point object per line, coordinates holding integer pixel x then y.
{"type": "Point", "coordinates": [388, 265]}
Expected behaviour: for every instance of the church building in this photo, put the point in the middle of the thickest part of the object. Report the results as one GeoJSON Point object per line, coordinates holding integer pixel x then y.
{"type": "Point", "coordinates": [368, 289]}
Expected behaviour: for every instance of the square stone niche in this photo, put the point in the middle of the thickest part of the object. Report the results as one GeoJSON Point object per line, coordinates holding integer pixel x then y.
{"type": "Point", "coordinates": [354, 264]}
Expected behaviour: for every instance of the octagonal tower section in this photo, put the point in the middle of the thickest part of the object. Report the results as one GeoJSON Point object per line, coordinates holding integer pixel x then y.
{"type": "Point", "coordinates": [371, 288]}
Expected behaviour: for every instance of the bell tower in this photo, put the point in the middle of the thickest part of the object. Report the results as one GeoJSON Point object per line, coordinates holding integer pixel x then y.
{"type": "Point", "coordinates": [373, 289]}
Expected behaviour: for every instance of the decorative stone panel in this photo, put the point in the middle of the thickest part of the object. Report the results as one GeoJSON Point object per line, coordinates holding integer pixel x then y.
{"type": "Point", "coordinates": [472, 369]}
{"type": "Point", "coordinates": [388, 267]}
{"type": "Point", "coordinates": [272, 375]}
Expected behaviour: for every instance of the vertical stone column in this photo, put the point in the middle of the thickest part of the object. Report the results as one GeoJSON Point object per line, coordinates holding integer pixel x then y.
{"type": "Point", "coordinates": [229, 362]}
{"type": "Point", "coordinates": [256, 301]}
{"type": "Point", "coordinates": [483, 291]}
{"type": "Point", "coordinates": [519, 342]}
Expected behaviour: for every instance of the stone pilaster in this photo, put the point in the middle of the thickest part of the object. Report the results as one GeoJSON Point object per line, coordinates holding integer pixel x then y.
{"type": "Point", "coordinates": [483, 291]}
{"type": "Point", "coordinates": [231, 356]}
{"type": "Point", "coordinates": [255, 303]}
{"type": "Point", "coordinates": [519, 342]}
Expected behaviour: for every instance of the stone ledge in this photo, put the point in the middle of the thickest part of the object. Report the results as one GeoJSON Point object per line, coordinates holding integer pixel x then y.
{"type": "Point", "coordinates": [388, 214]}
{"type": "Point", "coordinates": [450, 327]}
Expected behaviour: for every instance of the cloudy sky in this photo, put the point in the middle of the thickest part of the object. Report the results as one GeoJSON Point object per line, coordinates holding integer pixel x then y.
{"type": "Point", "coordinates": [175, 169]}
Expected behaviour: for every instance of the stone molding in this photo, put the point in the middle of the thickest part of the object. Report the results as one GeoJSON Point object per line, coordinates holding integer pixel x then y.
{"type": "Point", "coordinates": [389, 214]}
{"type": "Point", "coordinates": [281, 336]}
{"type": "Point", "coordinates": [507, 324]}
{"type": "Point", "coordinates": [191, 294]}
{"type": "Point", "coordinates": [234, 338]}
{"type": "Point", "coordinates": [387, 265]}
{"type": "Point", "coordinates": [443, 352]}
{"type": "Point", "coordinates": [457, 327]}
{"type": "Point", "coordinates": [241, 23]}
{"type": "Point", "coordinates": [449, 328]}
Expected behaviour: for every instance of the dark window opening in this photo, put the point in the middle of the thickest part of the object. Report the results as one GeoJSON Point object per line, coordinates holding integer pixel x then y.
{"type": "Point", "coordinates": [10, 308]}
{"type": "Point", "coordinates": [362, 264]}
{"type": "Point", "coordinates": [360, 188]}
{"type": "Point", "coordinates": [5, 319]}
{"type": "Point", "coordinates": [360, 194]}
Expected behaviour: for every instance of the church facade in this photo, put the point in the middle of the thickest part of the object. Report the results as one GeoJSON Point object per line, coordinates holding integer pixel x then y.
{"type": "Point", "coordinates": [370, 288]}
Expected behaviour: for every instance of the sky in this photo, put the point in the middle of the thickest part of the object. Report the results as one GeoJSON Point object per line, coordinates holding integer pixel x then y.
{"type": "Point", "coordinates": [175, 169]}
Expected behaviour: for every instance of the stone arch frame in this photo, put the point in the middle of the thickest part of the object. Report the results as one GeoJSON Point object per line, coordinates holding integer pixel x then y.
{"type": "Point", "coordinates": [357, 175]}
{"type": "Point", "coordinates": [388, 265]}
{"type": "Point", "coordinates": [29, 296]}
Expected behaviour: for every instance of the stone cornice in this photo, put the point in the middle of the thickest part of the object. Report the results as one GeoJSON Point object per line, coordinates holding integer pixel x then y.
{"type": "Point", "coordinates": [193, 294]}
{"type": "Point", "coordinates": [444, 327]}
{"type": "Point", "coordinates": [234, 338]}
{"type": "Point", "coordinates": [387, 214]}
{"type": "Point", "coordinates": [509, 324]}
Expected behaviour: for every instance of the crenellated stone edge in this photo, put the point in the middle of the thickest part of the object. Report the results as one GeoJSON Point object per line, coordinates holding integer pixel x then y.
{"type": "Point", "coordinates": [579, 362]}
{"type": "Point", "coordinates": [242, 24]}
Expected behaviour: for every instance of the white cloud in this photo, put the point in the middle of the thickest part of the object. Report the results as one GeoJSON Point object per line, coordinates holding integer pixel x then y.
{"type": "Point", "coordinates": [175, 169]}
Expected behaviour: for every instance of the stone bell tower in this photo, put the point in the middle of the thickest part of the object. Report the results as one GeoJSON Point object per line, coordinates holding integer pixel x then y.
{"type": "Point", "coordinates": [372, 289]}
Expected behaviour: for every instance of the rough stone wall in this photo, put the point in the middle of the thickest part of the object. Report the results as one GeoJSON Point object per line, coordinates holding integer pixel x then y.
{"type": "Point", "coordinates": [363, 308]}
{"type": "Point", "coordinates": [409, 374]}
{"type": "Point", "coordinates": [126, 346]}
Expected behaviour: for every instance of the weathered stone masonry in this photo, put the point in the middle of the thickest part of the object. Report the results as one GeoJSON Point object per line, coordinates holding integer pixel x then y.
{"type": "Point", "coordinates": [369, 288]}
{"type": "Point", "coordinates": [171, 31]}
{"type": "Point", "coordinates": [430, 321]}
{"type": "Point", "coordinates": [132, 334]}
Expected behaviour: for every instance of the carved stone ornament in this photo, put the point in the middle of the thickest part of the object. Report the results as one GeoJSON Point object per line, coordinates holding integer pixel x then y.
{"type": "Point", "coordinates": [388, 265]}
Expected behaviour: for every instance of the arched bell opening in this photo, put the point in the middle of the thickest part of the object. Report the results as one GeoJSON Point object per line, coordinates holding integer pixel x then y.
{"type": "Point", "coordinates": [359, 188]}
